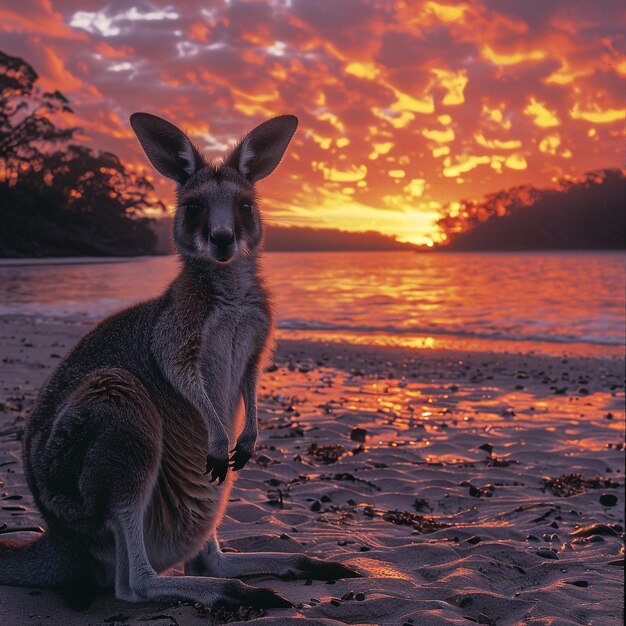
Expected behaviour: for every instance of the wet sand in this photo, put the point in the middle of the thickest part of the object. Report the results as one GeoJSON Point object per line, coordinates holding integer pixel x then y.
{"type": "Point", "coordinates": [466, 486]}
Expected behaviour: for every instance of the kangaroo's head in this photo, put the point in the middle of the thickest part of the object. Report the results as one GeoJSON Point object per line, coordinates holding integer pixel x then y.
{"type": "Point", "coordinates": [217, 218]}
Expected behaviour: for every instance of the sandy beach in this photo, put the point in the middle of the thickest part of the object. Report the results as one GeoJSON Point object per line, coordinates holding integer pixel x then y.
{"type": "Point", "coordinates": [467, 487]}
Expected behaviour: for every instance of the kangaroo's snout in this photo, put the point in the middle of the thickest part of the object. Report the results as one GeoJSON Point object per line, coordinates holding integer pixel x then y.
{"type": "Point", "coordinates": [223, 241]}
{"type": "Point", "coordinates": [222, 237]}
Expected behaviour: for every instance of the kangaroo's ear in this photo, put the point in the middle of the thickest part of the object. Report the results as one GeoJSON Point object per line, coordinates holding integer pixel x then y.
{"type": "Point", "coordinates": [262, 149]}
{"type": "Point", "coordinates": [168, 148]}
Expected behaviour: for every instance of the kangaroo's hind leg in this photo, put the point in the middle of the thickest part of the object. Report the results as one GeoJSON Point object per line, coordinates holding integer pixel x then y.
{"type": "Point", "coordinates": [145, 584]}
{"type": "Point", "coordinates": [101, 454]}
{"type": "Point", "coordinates": [211, 561]}
{"type": "Point", "coordinates": [120, 434]}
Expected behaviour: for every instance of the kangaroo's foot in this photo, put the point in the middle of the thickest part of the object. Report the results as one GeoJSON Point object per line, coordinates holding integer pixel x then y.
{"type": "Point", "coordinates": [211, 561]}
{"type": "Point", "coordinates": [213, 592]}
{"type": "Point", "coordinates": [137, 581]}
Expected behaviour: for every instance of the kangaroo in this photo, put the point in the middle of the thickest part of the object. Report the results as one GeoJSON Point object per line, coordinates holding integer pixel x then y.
{"type": "Point", "coordinates": [126, 451]}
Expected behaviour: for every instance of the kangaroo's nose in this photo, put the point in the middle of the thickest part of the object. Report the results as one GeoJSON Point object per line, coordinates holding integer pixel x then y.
{"type": "Point", "coordinates": [222, 238]}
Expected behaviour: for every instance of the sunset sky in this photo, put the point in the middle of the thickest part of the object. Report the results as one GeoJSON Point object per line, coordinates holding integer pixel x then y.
{"type": "Point", "coordinates": [404, 107]}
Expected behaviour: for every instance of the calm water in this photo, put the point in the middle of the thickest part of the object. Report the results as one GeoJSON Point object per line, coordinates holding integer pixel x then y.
{"type": "Point", "coordinates": [551, 302]}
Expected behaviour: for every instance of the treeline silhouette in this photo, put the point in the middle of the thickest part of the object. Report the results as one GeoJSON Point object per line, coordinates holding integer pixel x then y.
{"type": "Point", "coordinates": [589, 213]}
{"type": "Point", "coordinates": [301, 239]}
{"type": "Point", "coordinates": [58, 198]}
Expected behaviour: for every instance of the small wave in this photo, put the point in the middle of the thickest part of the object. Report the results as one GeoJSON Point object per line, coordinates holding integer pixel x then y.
{"type": "Point", "coordinates": [549, 337]}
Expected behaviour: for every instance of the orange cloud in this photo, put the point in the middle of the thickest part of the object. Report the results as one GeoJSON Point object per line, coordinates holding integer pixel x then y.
{"type": "Point", "coordinates": [404, 107]}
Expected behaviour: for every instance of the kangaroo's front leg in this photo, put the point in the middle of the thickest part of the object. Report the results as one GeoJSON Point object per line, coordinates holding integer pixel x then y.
{"type": "Point", "coordinates": [184, 372]}
{"type": "Point", "coordinates": [246, 441]}
{"type": "Point", "coordinates": [217, 452]}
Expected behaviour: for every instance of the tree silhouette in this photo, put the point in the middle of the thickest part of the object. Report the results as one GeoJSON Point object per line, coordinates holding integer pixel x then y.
{"type": "Point", "coordinates": [56, 197]}
{"type": "Point", "coordinates": [25, 128]}
{"type": "Point", "coordinates": [586, 213]}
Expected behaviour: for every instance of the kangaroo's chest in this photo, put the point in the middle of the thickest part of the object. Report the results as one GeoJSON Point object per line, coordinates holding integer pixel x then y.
{"type": "Point", "coordinates": [232, 338]}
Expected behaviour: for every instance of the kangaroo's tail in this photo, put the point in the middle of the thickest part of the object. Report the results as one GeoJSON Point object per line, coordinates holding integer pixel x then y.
{"type": "Point", "coordinates": [45, 562]}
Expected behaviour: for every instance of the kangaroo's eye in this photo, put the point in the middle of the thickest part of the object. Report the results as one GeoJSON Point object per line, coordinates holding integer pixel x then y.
{"type": "Point", "coordinates": [246, 206]}
{"type": "Point", "coordinates": [193, 208]}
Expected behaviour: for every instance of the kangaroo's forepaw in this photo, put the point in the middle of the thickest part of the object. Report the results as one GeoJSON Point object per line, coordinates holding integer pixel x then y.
{"type": "Point", "coordinates": [217, 467]}
{"type": "Point", "coordinates": [241, 455]}
{"type": "Point", "coordinates": [318, 569]}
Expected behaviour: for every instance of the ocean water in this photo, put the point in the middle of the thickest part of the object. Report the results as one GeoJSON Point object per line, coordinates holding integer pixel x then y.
{"type": "Point", "coordinates": [553, 302]}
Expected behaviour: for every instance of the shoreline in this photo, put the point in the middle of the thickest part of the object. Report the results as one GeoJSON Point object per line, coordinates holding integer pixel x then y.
{"type": "Point", "coordinates": [437, 473]}
{"type": "Point", "coordinates": [381, 341]}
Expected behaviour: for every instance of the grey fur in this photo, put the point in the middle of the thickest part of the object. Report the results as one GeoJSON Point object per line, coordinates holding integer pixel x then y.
{"type": "Point", "coordinates": [127, 449]}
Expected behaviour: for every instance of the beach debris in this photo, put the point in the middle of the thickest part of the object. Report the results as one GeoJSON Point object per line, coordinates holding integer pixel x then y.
{"type": "Point", "coordinates": [473, 540]}
{"type": "Point", "coordinates": [263, 460]}
{"type": "Point", "coordinates": [316, 506]}
{"type": "Point", "coordinates": [568, 485]}
{"type": "Point", "coordinates": [547, 553]}
{"type": "Point", "coordinates": [327, 454]}
{"type": "Point", "coordinates": [543, 517]}
{"type": "Point", "coordinates": [276, 497]}
{"type": "Point", "coordinates": [351, 478]}
{"type": "Point", "coordinates": [359, 435]}
{"type": "Point", "coordinates": [487, 447]}
{"type": "Point", "coordinates": [419, 505]}
{"type": "Point", "coordinates": [359, 597]}
{"type": "Point", "coordinates": [495, 461]}
{"type": "Point", "coordinates": [424, 525]}
{"type": "Point", "coordinates": [596, 529]}
{"type": "Point", "coordinates": [222, 615]}
{"type": "Point", "coordinates": [608, 499]}
{"type": "Point", "coordinates": [462, 600]}
{"type": "Point", "coordinates": [14, 507]}
{"type": "Point", "coordinates": [481, 492]}
{"type": "Point", "coordinates": [306, 366]}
